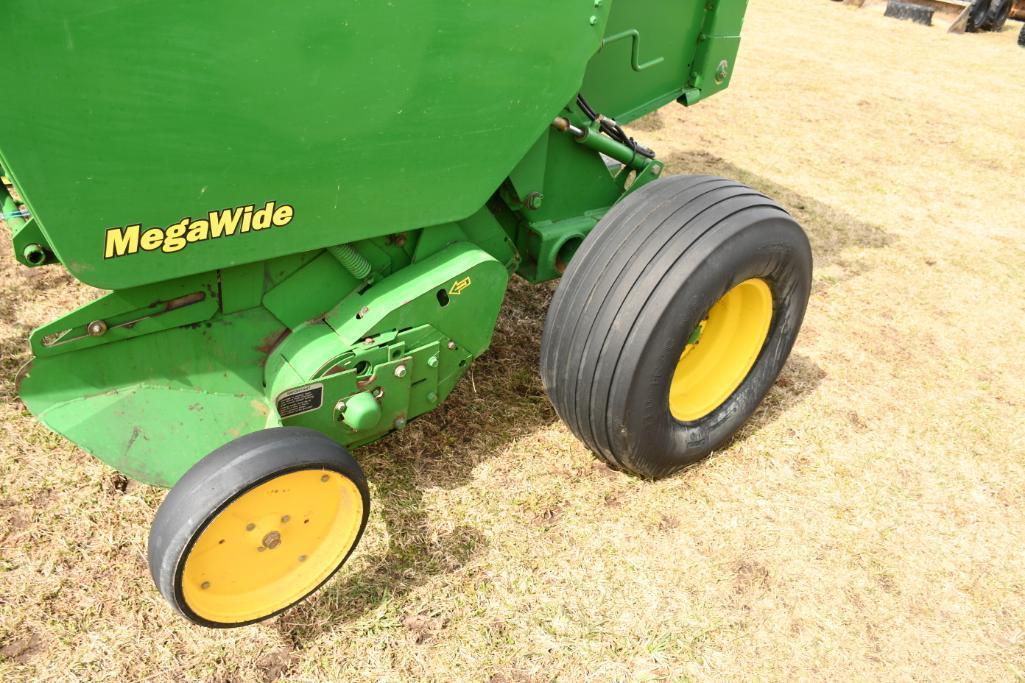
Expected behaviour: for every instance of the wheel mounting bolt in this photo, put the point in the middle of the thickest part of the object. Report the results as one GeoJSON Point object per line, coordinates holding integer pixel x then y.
{"type": "Point", "coordinates": [302, 558]}
{"type": "Point", "coordinates": [204, 585]}
{"type": "Point", "coordinates": [250, 526]}
{"type": "Point", "coordinates": [285, 519]}
{"type": "Point", "coordinates": [272, 540]}
{"type": "Point", "coordinates": [324, 478]}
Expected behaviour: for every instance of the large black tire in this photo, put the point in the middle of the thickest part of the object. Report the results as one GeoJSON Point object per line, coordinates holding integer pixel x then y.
{"type": "Point", "coordinates": [909, 12]}
{"type": "Point", "coordinates": [977, 16]}
{"type": "Point", "coordinates": [297, 473]}
{"type": "Point", "coordinates": [634, 296]}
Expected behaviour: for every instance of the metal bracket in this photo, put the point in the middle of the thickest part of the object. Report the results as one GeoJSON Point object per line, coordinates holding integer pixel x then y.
{"type": "Point", "coordinates": [635, 49]}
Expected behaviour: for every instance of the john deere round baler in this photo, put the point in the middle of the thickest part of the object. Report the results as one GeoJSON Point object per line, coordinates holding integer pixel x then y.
{"type": "Point", "coordinates": [307, 215]}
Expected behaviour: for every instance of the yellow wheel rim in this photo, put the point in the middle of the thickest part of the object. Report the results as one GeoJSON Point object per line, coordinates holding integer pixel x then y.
{"type": "Point", "coordinates": [722, 351]}
{"type": "Point", "coordinates": [271, 546]}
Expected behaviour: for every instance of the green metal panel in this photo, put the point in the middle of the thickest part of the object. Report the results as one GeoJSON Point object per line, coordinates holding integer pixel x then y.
{"type": "Point", "coordinates": [152, 406]}
{"type": "Point", "coordinates": [150, 113]}
{"type": "Point", "coordinates": [645, 58]}
{"type": "Point", "coordinates": [654, 52]}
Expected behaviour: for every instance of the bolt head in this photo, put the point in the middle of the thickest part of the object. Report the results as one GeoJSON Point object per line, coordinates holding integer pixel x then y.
{"type": "Point", "coordinates": [97, 328]}
{"type": "Point", "coordinates": [432, 361]}
{"type": "Point", "coordinates": [400, 423]}
{"type": "Point", "coordinates": [378, 392]}
{"type": "Point", "coordinates": [400, 371]}
{"type": "Point", "coordinates": [340, 407]}
{"type": "Point", "coordinates": [452, 345]}
{"type": "Point", "coordinates": [722, 71]}
{"type": "Point", "coordinates": [272, 540]}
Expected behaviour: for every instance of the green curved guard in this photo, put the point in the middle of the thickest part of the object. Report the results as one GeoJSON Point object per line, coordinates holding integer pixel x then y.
{"type": "Point", "coordinates": [146, 113]}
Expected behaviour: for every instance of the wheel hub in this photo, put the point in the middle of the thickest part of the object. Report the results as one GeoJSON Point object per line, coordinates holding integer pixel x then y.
{"type": "Point", "coordinates": [721, 351]}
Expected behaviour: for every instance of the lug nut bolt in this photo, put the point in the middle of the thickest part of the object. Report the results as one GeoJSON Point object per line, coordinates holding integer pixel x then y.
{"type": "Point", "coordinates": [204, 585]}
{"type": "Point", "coordinates": [272, 540]}
{"type": "Point", "coordinates": [250, 526]}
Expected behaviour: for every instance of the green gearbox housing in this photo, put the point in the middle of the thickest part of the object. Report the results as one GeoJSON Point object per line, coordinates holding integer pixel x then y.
{"type": "Point", "coordinates": [298, 227]}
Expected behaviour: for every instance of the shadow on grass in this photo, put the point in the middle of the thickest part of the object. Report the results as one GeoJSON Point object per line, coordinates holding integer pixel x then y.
{"type": "Point", "coordinates": [502, 399]}
{"type": "Point", "coordinates": [498, 402]}
{"type": "Point", "coordinates": [836, 236]}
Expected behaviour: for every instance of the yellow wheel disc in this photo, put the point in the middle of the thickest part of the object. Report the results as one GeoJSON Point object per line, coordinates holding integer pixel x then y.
{"type": "Point", "coordinates": [271, 546]}
{"type": "Point", "coordinates": [722, 351]}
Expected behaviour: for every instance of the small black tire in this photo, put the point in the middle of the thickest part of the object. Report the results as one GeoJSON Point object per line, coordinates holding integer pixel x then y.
{"type": "Point", "coordinates": [638, 287]}
{"type": "Point", "coordinates": [908, 12]}
{"type": "Point", "coordinates": [1021, 36]}
{"type": "Point", "coordinates": [287, 478]}
{"type": "Point", "coordinates": [996, 15]}
{"type": "Point", "coordinates": [977, 16]}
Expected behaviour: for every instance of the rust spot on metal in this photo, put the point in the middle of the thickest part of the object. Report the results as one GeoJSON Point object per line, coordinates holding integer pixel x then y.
{"type": "Point", "coordinates": [23, 372]}
{"type": "Point", "coordinates": [183, 301]}
{"type": "Point", "coordinates": [363, 383]}
{"type": "Point", "coordinates": [131, 440]}
{"type": "Point", "coordinates": [271, 341]}
{"type": "Point", "coordinates": [334, 370]}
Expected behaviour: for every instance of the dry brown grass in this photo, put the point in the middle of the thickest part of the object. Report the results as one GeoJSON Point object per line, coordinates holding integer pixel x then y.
{"type": "Point", "coordinates": [867, 524]}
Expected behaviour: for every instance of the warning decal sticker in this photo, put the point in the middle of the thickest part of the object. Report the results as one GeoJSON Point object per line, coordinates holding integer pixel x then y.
{"type": "Point", "coordinates": [302, 400]}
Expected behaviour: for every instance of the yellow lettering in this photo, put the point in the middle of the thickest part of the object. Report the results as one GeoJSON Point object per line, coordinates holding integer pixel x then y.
{"type": "Point", "coordinates": [151, 239]}
{"type": "Point", "coordinates": [174, 239]}
{"type": "Point", "coordinates": [198, 231]}
{"type": "Point", "coordinates": [283, 215]}
{"type": "Point", "coordinates": [121, 241]}
{"type": "Point", "coordinates": [224, 222]}
{"type": "Point", "coordinates": [263, 217]}
{"type": "Point", "coordinates": [247, 217]}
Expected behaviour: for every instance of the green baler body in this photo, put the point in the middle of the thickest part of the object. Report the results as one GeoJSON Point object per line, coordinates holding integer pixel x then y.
{"type": "Point", "coordinates": [417, 132]}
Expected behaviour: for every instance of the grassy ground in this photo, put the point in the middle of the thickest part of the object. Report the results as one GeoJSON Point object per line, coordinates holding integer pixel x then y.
{"type": "Point", "coordinates": [867, 523]}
